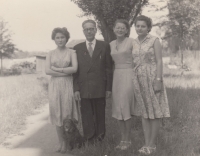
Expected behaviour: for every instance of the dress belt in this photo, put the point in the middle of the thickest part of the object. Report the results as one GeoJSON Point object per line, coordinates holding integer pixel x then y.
{"type": "Point", "coordinates": [123, 66]}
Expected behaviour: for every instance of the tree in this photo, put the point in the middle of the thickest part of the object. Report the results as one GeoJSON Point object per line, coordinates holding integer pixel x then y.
{"type": "Point", "coordinates": [182, 22]}
{"type": "Point", "coordinates": [6, 46]}
{"type": "Point", "coordinates": [183, 15]}
{"type": "Point", "coordinates": [196, 27]}
{"type": "Point", "coordinates": [106, 12]}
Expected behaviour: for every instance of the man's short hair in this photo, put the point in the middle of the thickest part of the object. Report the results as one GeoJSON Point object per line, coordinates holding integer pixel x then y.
{"type": "Point", "coordinates": [89, 21]}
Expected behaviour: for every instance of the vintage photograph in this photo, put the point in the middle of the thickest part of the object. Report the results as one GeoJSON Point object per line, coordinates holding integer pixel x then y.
{"type": "Point", "coordinates": [99, 77]}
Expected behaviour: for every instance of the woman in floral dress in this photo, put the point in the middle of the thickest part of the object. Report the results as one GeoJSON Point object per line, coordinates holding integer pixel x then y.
{"type": "Point", "coordinates": [60, 64]}
{"type": "Point", "coordinates": [150, 94]}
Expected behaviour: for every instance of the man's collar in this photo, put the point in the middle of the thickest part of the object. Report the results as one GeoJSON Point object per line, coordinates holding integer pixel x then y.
{"type": "Point", "coordinates": [93, 42]}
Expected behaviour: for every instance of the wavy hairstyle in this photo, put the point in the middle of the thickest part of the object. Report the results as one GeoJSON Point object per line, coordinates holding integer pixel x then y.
{"type": "Point", "coordinates": [63, 31]}
{"type": "Point", "coordinates": [146, 19]}
{"type": "Point", "coordinates": [126, 23]}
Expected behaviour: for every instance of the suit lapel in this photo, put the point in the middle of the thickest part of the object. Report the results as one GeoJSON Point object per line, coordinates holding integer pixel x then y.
{"type": "Point", "coordinates": [85, 53]}
{"type": "Point", "coordinates": [96, 52]}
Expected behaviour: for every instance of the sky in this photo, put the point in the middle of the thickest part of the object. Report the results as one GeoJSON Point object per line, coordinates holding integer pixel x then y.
{"type": "Point", "coordinates": [32, 21]}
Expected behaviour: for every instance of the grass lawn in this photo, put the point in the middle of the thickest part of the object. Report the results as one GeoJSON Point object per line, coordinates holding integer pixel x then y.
{"type": "Point", "coordinates": [19, 96]}
{"type": "Point", "coordinates": [179, 134]}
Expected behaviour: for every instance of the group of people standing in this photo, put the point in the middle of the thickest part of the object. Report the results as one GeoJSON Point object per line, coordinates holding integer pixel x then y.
{"type": "Point", "coordinates": [85, 74]}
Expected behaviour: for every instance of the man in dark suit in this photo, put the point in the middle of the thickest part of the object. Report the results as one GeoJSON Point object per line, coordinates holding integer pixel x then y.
{"type": "Point", "coordinates": [93, 81]}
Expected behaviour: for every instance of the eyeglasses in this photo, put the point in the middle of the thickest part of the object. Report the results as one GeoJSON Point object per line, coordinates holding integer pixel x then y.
{"type": "Point", "coordinates": [88, 29]}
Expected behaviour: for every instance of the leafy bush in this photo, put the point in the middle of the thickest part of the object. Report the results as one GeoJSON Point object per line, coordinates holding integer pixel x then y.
{"type": "Point", "coordinates": [21, 68]}
{"type": "Point", "coordinates": [7, 72]}
{"type": "Point", "coordinates": [16, 69]}
{"type": "Point", "coordinates": [29, 65]}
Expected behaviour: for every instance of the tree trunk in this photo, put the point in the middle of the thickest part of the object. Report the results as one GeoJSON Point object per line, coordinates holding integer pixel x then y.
{"type": "Point", "coordinates": [182, 40]}
{"type": "Point", "coordinates": [136, 10]}
{"type": "Point", "coordinates": [108, 35]}
{"type": "Point", "coordinates": [1, 65]}
{"type": "Point", "coordinates": [198, 41]}
{"type": "Point", "coordinates": [181, 58]}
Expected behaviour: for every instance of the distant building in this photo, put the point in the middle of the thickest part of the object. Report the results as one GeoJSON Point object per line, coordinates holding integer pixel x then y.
{"type": "Point", "coordinates": [41, 58]}
{"type": "Point", "coordinates": [72, 43]}
{"type": "Point", "coordinates": [40, 63]}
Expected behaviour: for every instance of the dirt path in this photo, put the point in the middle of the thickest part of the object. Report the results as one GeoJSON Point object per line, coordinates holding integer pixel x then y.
{"type": "Point", "coordinates": [38, 139]}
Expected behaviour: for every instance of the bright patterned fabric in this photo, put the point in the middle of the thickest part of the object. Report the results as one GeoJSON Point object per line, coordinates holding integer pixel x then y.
{"type": "Point", "coordinates": [148, 103]}
{"type": "Point", "coordinates": [61, 100]}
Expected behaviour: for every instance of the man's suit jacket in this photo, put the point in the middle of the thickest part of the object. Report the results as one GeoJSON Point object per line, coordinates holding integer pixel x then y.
{"type": "Point", "coordinates": [94, 75]}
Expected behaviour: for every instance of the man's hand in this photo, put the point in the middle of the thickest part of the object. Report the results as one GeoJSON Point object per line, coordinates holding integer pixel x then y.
{"type": "Point", "coordinates": [77, 96]}
{"type": "Point", "coordinates": [108, 94]}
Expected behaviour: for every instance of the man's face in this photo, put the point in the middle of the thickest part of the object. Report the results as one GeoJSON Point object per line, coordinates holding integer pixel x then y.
{"type": "Point", "coordinates": [89, 31]}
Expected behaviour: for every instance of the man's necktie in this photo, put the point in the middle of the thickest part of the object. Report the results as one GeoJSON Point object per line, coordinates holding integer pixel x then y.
{"type": "Point", "coordinates": [90, 49]}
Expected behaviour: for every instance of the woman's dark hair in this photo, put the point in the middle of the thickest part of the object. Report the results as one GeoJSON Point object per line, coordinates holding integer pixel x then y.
{"type": "Point", "coordinates": [125, 22]}
{"type": "Point", "coordinates": [146, 19]}
{"type": "Point", "coordinates": [63, 31]}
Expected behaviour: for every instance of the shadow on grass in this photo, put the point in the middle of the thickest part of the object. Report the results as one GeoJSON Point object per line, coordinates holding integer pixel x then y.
{"type": "Point", "coordinates": [41, 142]}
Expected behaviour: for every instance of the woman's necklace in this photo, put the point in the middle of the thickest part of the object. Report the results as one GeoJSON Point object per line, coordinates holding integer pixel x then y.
{"type": "Point", "coordinates": [118, 43]}
{"type": "Point", "coordinates": [61, 54]}
{"type": "Point", "coordinates": [142, 38]}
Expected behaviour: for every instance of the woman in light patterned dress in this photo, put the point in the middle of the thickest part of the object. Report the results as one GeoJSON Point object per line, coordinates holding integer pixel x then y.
{"type": "Point", "coordinates": [61, 63]}
{"type": "Point", "coordinates": [150, 94]}
{"type": "Point", "coordinates": [122, 90]}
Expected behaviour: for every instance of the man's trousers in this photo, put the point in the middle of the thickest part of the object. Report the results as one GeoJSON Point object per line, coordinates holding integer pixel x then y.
{"type": "Point", "coordinates": [93, 118]}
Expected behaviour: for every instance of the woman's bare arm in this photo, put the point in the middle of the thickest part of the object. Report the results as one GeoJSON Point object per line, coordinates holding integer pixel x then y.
{"type": "Point", "coordinates": [68, 70]}
{"type": "Point", "coordinates": [51, 72]}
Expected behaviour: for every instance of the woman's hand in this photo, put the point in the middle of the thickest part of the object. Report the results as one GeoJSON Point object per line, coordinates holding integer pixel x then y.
{"type": "Point", "coordinates": [157, 85]}
{"type": "Point", "coordinates": [54, 68]}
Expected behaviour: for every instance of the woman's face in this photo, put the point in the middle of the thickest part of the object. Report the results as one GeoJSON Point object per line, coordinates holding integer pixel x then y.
{"type": "Point", "coordinates": [120, 30]}
{"type": "Point", "coordinates": [141, 28]}
{"type": "Point", "coordinates": [60, 40]}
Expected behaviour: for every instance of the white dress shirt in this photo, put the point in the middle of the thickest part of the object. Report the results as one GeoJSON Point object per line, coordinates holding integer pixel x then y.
{"type": "Point", "coordinates": [93, 43]}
